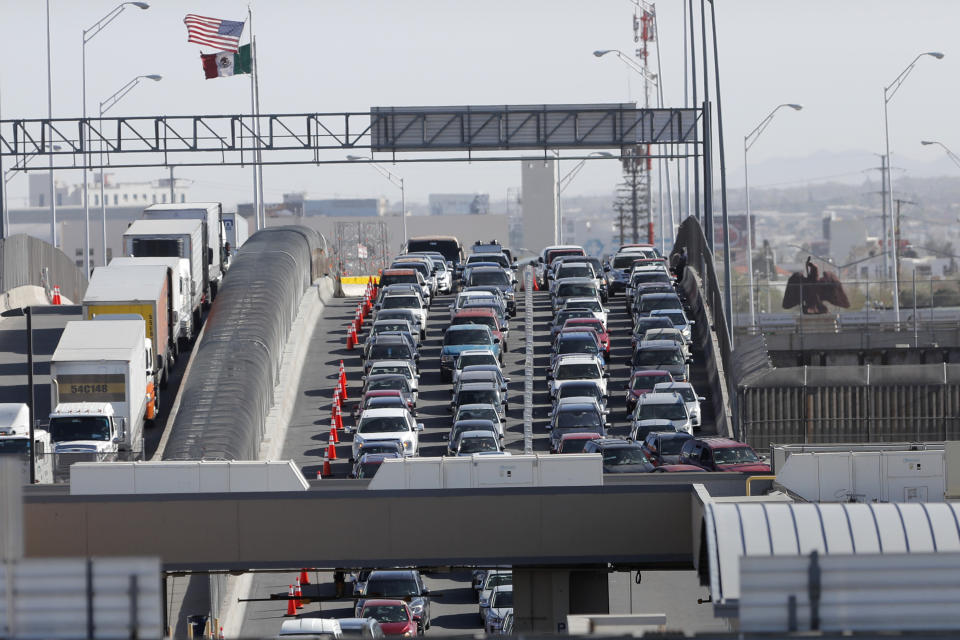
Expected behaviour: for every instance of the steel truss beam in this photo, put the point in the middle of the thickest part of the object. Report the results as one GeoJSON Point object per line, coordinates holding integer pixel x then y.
{"type": "Point", "coordinates": [419, 133]}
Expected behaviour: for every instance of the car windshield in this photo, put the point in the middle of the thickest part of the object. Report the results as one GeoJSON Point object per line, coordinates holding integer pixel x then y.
{"type": "Point", "coordinates": [458, 429]}
{"type": "Point", "coordinates": [573, 445]}
{"type": "Point", "coordinates": [497, 579]}
{"type": "Point", "coordinates": [572, 289]}
{"type": "Point", "coordinates": [575, 271]}
{"type": "Point", "coordinates": [579, 390]}
{"type": "Point", "coordinates": [395, 369]}
{"type": "Point", "coordinates": [578, 418]}
{"type": "Point", "coordinates": [686, 393]}
{"type": "Point", "coordinates": [671, 446]}
{"type": "Point", "coordinates": [385, 403]}
{"type": "Point", "coordinates": [647, 382]}
{"type": "Point", "coordinates": [479, 414]}
{"type": "Point", "coordinates": [567, 344]}
{"type": "Point", "coordinates": [476, 358]}
{"type": "Point", "coordinates": [657, 323]}
{"type": "Point", "coordinates": [649, 277]}
{"type": "Point", "coordinates": [656, 357]}
{"type": "Point", "coordinates": [378, 587]}
{"type": "Point", "coordinates": [402, 314]}
{"type": "Point", "coordinates": [624, 260]}
{"type": "Point", "coordinates": [664, 302]}
{"type": "Point", "coordinates": [401, 302]}
{"type": "Point", "coordinates": [676, 317]}
{"type": "Point", "coordinates": [578, 371]}
{"type": "Point", "coordinates": [672, 411]}
{"type": "Point", "coordinates": [368, 469]}
{"type": "Point", "coordinates": [389, 352]}
{"type": "Point", "coordinates": [476, 445]}
{"type": "Point", "coordinates": [592, 305]}
{"type": "Point", "coordinates": [391, 326]}
{"type": "Point", "coordinates": [394, 382]}
{"type": "Point", "coordinates": [467, 336]}
{"type": "Point", "coordinates": [478, 396]}
{"type": "Point", "coordinates": [14, 445]}
{"type": "Point", "coordinates": [386, 613]}
{"type": "Point", "coordinates": [70, 429]}
{"type": "Point", "coordinates": [502, 600]}
{"type": "Point", "coordinates": [734, 455]}
{"type": "Point", "coordinates": [489, 277]}
{"type": "Point", "coordinates": [490, 321]}
{"type": "Point", "coordinates": [383, 424]}
{"type": "Point", "coordinates": [387, 446]}
{"type": "Point", "coordinates": [404, 278]}
{"type": "Point", "coordinates": [616, 456]}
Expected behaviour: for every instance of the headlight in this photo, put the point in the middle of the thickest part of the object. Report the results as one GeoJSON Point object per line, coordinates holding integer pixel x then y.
{"type": "Point", "coordinates": [417, 608]}
{"type": "Point", "coordinates": [407, 444]}
{"type": "Point", "coordinates": [408, 634]}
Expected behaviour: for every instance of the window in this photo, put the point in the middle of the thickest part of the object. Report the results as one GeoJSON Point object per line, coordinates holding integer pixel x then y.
{"type": "Point", "coordinates": [116, 199]}
{"type": "Point", "coordinates": [96, 200]}
{"type": "Point", "coordinates": [79, 251]}
{"type": "Point", "coordinates": [79, 264]}
{"type": "Point", "coordinates": [134, 197]}
{"type": "Point", "coordinates": [164, 198]}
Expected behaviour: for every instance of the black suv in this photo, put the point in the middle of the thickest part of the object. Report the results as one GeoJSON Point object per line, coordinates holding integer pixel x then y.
{"type": "Point", "coordinates": [620, 456]}
{"type": "Point", "coordinates": [663, 447]}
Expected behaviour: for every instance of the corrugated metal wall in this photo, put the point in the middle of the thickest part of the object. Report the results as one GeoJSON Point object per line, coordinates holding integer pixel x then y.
{"type": "Point", "coordinates": [889, 403]}
{"type": "Point", "coordinates": [229, 390]}
{"type": "Point", "coordinates": [25, 259]}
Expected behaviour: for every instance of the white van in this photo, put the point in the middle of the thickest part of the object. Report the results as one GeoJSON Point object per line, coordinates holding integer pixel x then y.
{"type": "Point", "coordinates": [319, 628]}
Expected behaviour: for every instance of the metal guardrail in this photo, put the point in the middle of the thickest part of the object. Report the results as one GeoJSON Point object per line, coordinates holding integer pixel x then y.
{"type": "Point", "coordinates": [528, 360]}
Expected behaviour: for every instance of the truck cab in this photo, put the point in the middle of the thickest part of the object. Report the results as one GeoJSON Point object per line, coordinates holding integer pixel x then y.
{"type": "Point", "coordinates": [15, 441]}
{"type": "Point", "coordinates": [86, 427]}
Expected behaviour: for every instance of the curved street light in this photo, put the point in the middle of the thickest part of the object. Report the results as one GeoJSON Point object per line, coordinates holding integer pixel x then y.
{"type": "Point", "coordinates": [395, 180]}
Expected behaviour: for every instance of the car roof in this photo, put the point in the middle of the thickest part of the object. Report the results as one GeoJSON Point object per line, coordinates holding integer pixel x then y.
{"type": "Point", "coordinates": [578, 358]}
{"type": "Point", "coordinates": [660, 296]}
{"type": "Point", "coordinates": [475, 422]}
{"type": "Point", "coordinates": [465, 327]}
{"type": "Point", "coordinates": [379, 393]}
{"type": "Point", "coordinates": [398, 272]}
{"type": "Point", "coordinates": [476, 433]}
{"type": "Point", "coordinates": [384, 413]}
{"type": "Point", "coordinates": [473, 368]}
{"type": "Point", "coordinates": [392, 363]}
{"type": "Point", "coordinates": [592, 320]}
{"type": "Point", "coordinates": [474, 311]}
{"type": "Point", "coordinates": [616, 442]}
{"type": "Point", "coordinates": [658, 344]}
{"type": "Point", "coordinates": [475, 352]}
{"type": "Point", "coordinates": [385, 376]}
{"type": "Point", "coordinates": [577, 280]}
{"type": "Point", "coordinates": [722, 443]}
{"type": "Point", "coordinates": [578, 334]}
{"type": "Point", "coordinates": [661, 398]}
{"type": "Point", "coordinates": [474, 386]}
{"type": "Point", "coordinates": [476, 405]}
{"type": "Point", "coordinates": [380, 602]}
{"type": "Point", "coordinates": [574, 406]}
{"type": "Point", "coordinates": [583, 298]}
{"type": "Point", "coordinates": [648, 373]}
{"type": "Point", "coordinates": [393, 573]}
{"type": "Point", "coordinates": [682, 435]}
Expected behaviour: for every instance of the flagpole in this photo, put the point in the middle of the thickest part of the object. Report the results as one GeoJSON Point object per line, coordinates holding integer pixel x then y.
{"type": "Point", "coordinates": [253, 114]}
{"type": "Point", "coordinates": [256, 84]}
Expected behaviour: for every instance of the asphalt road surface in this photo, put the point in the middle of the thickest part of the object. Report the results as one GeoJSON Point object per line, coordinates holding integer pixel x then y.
{"type": "Point", "coordinates": [454, 609]}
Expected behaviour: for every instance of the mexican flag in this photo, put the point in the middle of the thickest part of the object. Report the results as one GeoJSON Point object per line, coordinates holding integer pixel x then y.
{"type": "Point", "coordinates": [226, 63]}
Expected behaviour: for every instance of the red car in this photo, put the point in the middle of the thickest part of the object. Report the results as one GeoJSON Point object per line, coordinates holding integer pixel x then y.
{"type": "Point", "coordinates": [590, 323]}
{"type": "Point", "coordinates": [574, 442]}
{"type": "Point", "coordinates": [722, 454]}
{"type": "Point", "coordinates": [394, 617]}
{"type": "Point", "coordinates": [642, 382]}
{"type": "Point", "coordinates": [484, 316]}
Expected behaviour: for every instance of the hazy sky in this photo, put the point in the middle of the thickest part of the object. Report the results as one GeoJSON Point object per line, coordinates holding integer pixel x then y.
{"type": "Point", "coordinates": [833, 56]}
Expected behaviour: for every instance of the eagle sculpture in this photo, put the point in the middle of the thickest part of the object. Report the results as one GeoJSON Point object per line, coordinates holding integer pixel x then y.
{"type": "Point", "coordinates": [811, 290]}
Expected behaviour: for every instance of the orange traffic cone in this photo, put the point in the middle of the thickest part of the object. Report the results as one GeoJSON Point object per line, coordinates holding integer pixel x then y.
{"type": "Point", "coordinates": [336, 395]}
{"type": "Point", "coordinates": [333, 437]}
{"type": "Point", "coordinates": [343, 382]}
{"type": "Point", "coordinates": [56, 296]}
{"type": "Point", "coordinates": [304, 577]}
{"type": "Point", "coordinates": [298, 592]}
{"type": "Point", "coordinates": [326, 466]}
{"type": "Point", "coordinates": [535, 287]}
{"type": "Point", "coordinates": [350, 340]}
{"type": "Point", "coordinates": [332, 451]}
{"type": "Point", "coordinates": [337, 417]}
{"type": "Point", "coordinates": [291, 604]}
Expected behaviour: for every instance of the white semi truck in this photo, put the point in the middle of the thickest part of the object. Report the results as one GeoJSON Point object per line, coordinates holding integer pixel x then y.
{"type": "Point", "coordinates": [15, 441]}
{"type": "Point", "coordinates": [101, 388]}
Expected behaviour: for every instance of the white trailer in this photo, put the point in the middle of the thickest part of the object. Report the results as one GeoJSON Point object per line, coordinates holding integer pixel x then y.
{"type": "Point", "coordinates": [172, 239]}
{"type": "Point", "coordinates": [181, 311]}
{"type": "Point", "coordinates": [237, 231]}
{"type": "Point", "coordinates": [99, 387]}
{"type": "Point", "coordinates": [214, 236]}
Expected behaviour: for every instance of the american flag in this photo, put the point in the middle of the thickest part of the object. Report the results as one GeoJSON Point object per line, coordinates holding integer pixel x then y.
{"type": "Point", "coordinates": [222, 35]}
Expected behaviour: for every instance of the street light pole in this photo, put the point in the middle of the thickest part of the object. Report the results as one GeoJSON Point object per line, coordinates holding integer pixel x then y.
{"type": "Point", "coordinates": [53, 194]}
{"type": "Point", "coordinates": [888, 92]}
{"type": "Point", "coordinates": [393, 179]}
{"type": "Point", "coordinates": [950, 154]}
{"type": "Point", "coordinates": [105, 106]}
{"type": "Point", "coordinates": [748, 141]}
{"type": "Point", "coordinates": [88, 35]}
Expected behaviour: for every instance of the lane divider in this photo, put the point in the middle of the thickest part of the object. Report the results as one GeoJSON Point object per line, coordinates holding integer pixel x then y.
{"type": "Point", "coordinates": [529, 283]}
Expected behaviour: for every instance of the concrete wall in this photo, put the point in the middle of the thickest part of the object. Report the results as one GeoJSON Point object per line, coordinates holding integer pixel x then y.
{"type": "Point", "coordinates": [539, 203]}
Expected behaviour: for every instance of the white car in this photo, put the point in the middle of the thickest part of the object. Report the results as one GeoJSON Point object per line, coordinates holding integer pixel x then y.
{"type": "Point", "coordinates": [472, 357]}
{"type": "Point", "coordinates": [444, 276]}
{"type": "Point", "coordinates": [679, 320]}
{"type": "Point", "coordinates": [578, 367]}
{"type": "Point", "coordinates": [663, 406]}
{"type": "Point", "coordinates": [402, 367]}
{"type": "Point", "coordinates": [387, 424]}
{"type": "Point", "coordinates": [689, 395]}
{"type": "Point", "coordinates": [501, 603]}
{"type": "Point", "coordinates": [463, 296]}
{"type": "Point", "coordinates": [406, 301]}
{"type": "Point", "coordinates": [592, 304]}
{"type": "Point", "coordinates": [491, 580]}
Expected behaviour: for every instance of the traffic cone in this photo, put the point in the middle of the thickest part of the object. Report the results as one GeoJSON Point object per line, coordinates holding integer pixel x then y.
{"type": "Point", "coordinates": [331, 451]}
{"type": "Point", "coordinates": [326, 466]}
{"type": "Point", "coordinates": [343, 382]}
{"type": "Point", "coordinates": [56, 296]}
{"type": "Point", "coordinates": [535, 287]}
{"type": "Point", "coordinates": [338, 417]}
{"type": "Point", "coordinates": [291, 605]}
{"type": "Point", "coordinates": [336, 395]}
{"type": "Point", "coordinates": [334, 438]}
{"type": "Point", "coordinates": [350, 341]}
{"type": "Point", "coordinates": [298, 592]}
{"type": "Point", "coordinates": [304, 577]}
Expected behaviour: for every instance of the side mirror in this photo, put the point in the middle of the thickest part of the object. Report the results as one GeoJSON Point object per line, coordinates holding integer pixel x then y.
{"type": "Point", "coordinates": [549, 375]}
{"type": "Point", "coordinates": [606, 375]}
{"type": "Point", "coordinates": [506, 379]}
{"type": "Point", "coordinates": [348, 430]}
{"type": "Point", "coordinates": [363, 377]}
{"type": "Point", "coordinates": [606, 425]}
{"type": "Point", "coordinates": [117, 440]}
{"type": "Point", "coordinates": [689, 360]}
{"type": "Point", "coordinates": [425, 592]}
{"type": "Point", "coordinates": [701, 399]}
{"type": "Point", "coordinates": [419, 426]}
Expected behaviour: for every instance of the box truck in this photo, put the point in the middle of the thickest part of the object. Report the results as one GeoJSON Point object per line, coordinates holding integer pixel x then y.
{"type": "Point", "coordinates": [181, 285]}
{"type": "Point", "coordinates": [237, 232]}
{"type": "Point", "coordinates": [15, 441]}
{"type": "Point", "coordinates": [140, 291]}
{"type": "Point", "coordinates": [210, 214]}
{"type": "Point", "coordinates": [101, 388]}
{"type": "Point", "coordinates": [172, 239]}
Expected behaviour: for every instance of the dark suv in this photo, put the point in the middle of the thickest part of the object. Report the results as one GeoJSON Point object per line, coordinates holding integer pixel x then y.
{"type": "Point", "coordinates": [722, 454]}
{"type": "Point", "coordinates": [663, 447]}
{"type": "Point", "coordinates": [619, 456]}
